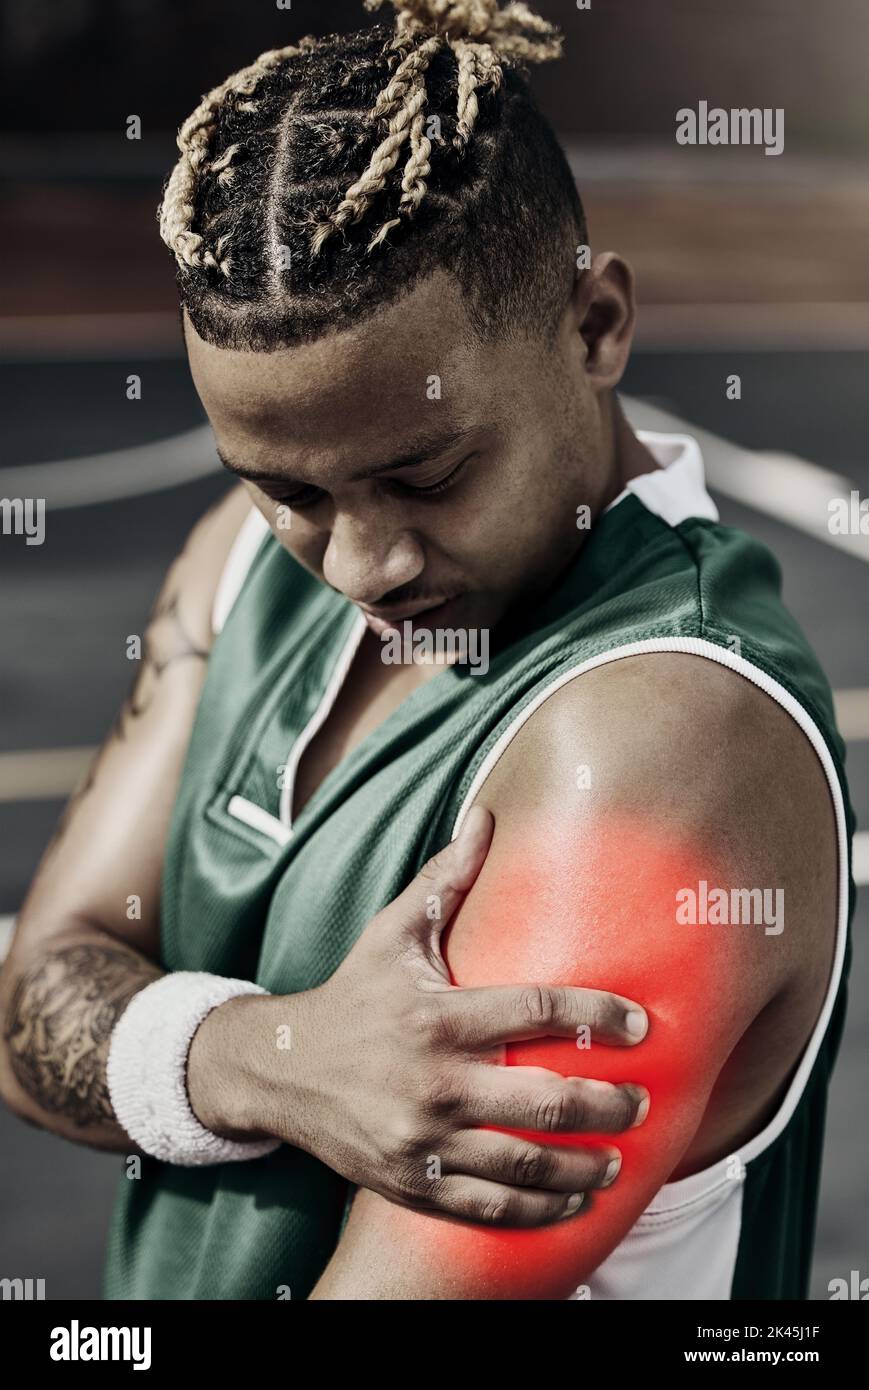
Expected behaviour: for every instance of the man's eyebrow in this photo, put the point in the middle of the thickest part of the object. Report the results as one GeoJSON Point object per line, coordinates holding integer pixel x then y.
{"type": "Point", "coordinates": [423, 450]}
{"type": "Point", "coordinates": [249, 473]}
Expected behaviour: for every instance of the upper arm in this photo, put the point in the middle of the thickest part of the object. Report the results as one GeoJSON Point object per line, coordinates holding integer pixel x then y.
{"type": "Point", "coordinates": [580, 888]}
{"type": "Point", "coordinates": [111, 838]}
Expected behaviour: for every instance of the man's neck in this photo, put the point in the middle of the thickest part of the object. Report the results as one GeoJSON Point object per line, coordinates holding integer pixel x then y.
{"type": "Point", "coordinates": [631, 458]}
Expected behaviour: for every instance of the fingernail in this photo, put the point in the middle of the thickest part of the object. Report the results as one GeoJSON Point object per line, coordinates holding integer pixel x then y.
{"type": "Point", "coordinates": [614, 1166]}
{"type": "Point", "coordinates": [636, 1024]}
{"type": "Point", "coordinates": [574, 1203]}
{"type": "Point", "coordinates": [642, 1111]}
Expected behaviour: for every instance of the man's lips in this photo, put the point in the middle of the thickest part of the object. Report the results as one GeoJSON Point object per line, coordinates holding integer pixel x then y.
{"type": "Point", "coordinates": [381, 619]}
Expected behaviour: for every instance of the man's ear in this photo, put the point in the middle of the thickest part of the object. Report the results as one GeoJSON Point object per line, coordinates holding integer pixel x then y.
{"type": "Point", "coordinates": [604, 313]}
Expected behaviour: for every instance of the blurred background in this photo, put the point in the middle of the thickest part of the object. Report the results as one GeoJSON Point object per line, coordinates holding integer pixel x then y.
{"type": "Point", "coordinates": [747, 264]}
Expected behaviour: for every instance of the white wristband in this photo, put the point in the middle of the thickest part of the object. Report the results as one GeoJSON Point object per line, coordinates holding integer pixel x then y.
{"type": "Point", "coordinates": [146, 1069]}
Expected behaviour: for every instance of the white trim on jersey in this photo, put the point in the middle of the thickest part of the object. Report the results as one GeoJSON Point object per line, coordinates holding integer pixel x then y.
{"type": "Point", "coordinates": [318, 718]}
{"type": "Point", "coordinates": [247, 542]}
{"type": "Point", "coordinates": [249, 813]}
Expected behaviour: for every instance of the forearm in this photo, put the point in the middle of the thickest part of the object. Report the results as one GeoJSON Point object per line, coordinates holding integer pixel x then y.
{"type": "Point", "coordinates": [59, 1004]}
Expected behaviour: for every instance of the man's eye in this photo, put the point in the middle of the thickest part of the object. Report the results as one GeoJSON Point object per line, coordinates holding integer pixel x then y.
{"type": "Point", "coordinates": [443, 483]}
{"type": "Point", "coordinates": [305, 497]}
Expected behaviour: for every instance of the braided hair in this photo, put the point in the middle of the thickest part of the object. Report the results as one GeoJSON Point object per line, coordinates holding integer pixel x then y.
{"type": "Point", "coordinates": [330, 176]}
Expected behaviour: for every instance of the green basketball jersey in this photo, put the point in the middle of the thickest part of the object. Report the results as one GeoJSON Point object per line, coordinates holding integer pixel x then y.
{"type": "Point", "coordinates": [249, 892]}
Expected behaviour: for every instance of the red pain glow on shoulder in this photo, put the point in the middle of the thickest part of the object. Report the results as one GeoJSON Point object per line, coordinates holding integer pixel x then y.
{"type": "Point", "coordinates": [596, 907]}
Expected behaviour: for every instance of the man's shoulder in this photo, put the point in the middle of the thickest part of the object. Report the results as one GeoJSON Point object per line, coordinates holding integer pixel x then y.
{"type": "Point", "coordinates": [697, 755]}
{"type": "Point", "coordinates": [671, 725]}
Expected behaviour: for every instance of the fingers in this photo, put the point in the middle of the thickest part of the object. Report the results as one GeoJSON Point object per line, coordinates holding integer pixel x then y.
{"type": "Point", "coordinates": [535, 1100]}
{"type": "Point", "coordinates": [515, 1162]}
{"type": "Point", "coordinates": [483, 1017]}
{"type": "Point", "coordinates": [489, 1204]}
{"type": "Point", "coordinates": [430, 900]}
{"type": "Point", "coordinates": [496, 1179]}
{"type": "Point", "coordinates": [465, 854]}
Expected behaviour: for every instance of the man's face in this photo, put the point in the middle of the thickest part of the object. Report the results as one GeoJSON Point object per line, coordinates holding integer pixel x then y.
{"type": "Point", "coordinates": [423, 475]}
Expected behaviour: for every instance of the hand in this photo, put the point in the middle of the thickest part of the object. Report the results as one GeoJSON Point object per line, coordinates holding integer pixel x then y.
{"type": "Point", "coordinates": [391, 1068]}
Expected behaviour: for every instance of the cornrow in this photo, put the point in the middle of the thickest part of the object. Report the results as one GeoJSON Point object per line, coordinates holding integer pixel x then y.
{"type": "Point", "coordinates": [405, 98]}
{"type": "Point", "coordinates": [324, 180]}
{"type": "Point", "coordinates": [471, 29]}
{"type": "Point", "coordinates": [194, 140]}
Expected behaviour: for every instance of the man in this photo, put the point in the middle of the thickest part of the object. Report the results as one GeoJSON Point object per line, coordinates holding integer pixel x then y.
{"type": "Point", "coordinates": [645, 888]}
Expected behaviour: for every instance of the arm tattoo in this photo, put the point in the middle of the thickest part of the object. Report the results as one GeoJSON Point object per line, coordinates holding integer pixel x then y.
{"type": "Point", "coordinates": [166, 642]}
{"type": "Point", "coordinates": [59, 1023]}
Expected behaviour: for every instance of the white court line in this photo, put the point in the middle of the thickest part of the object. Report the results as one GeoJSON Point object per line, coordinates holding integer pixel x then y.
{"type": "Point", "coordinates": [852, 713]}
{"type": "Point", "coordinates": [7, 927]}
{"type": "Point", "coordinates": [42, 774]}
{"type": "Point", "coordinates": [118, 475]}
{"type": "Point", "coordinates": [780, 485]}
{"type": "Point", "coordinates": [861, 857]}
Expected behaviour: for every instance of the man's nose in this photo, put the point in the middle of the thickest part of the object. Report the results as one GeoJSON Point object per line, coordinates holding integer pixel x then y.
{"type": "Point", "coordinates": [365, 560]}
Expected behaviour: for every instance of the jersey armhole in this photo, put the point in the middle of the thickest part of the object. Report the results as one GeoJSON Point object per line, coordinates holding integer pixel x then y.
{"type": "Point", "coordinates": [236, 566]}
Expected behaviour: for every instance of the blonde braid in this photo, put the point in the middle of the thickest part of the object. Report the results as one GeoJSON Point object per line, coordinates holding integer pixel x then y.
{"type": "Point", "coordinates": [413, 183]}
{"type": "Point", "coordinates": [479, 34]}
{"type": "Point", "coordinates": [194, 141]}
{"type": "Point", "coordinates": [478, 67]}
{"type": "Point", "coordinates": [516, 31]}
{"type": "Point", "coordinates": [402, 99]}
